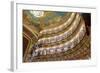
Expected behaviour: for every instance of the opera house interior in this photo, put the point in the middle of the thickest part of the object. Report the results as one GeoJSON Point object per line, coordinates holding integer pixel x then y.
{"type": "Point", "coordinates": [56, 36]}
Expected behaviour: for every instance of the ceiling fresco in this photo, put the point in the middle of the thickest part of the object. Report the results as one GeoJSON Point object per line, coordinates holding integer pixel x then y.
{"type": "Point", "coordinates": [56, 36]}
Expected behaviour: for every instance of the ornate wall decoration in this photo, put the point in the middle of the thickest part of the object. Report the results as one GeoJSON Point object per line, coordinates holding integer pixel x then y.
{"type": "Point", "coordinates": [56, 36]}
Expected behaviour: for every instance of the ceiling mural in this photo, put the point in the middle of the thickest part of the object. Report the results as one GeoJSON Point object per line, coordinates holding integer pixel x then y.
{"type": "Point", "coordinates": [56, 36]}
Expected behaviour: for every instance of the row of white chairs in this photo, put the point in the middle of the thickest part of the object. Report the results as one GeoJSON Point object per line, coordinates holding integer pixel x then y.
{"type": "Point", "coordinates": [62, 47]}
{"type": "Point", "coordinates": [62, 36]}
